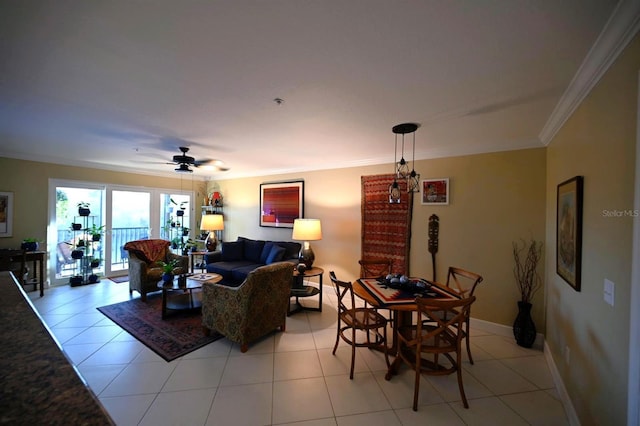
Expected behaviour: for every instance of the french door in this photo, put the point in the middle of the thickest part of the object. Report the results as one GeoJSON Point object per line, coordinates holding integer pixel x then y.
{"type": "Point", "coordinates": [125, 213]}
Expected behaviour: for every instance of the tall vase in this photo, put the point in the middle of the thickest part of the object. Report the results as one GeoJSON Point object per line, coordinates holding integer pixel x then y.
{"type": "Point", "coordinates": [524, 330]}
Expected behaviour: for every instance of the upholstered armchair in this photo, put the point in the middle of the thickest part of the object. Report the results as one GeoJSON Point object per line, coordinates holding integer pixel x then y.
{"type": "Point", "coordinates": [255, 308]}
{"type": "Point", "coordinates": [145, 258]}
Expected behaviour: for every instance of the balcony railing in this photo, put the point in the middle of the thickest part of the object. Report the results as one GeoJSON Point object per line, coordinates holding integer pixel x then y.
{"type": "Point", "coordinates": [119, 237]}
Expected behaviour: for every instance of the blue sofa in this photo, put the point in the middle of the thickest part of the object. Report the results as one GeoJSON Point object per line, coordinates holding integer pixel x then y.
{"type": "Point", "coordinates": [238, 258]}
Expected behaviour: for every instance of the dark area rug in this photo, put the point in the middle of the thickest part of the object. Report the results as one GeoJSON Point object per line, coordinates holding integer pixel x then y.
{"type": "Point", "coordinates": [122, 279]}
{"type": "Point", "coordinates": [171, 338]}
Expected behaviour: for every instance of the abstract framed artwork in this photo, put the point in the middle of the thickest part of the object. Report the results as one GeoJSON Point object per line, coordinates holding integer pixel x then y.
{"type": "Point", "coordinates": [435, 191]}
{"type": "Point", "coordinates": [569, 231]}
{"type": "Point", "coordinates": [6, 214]}
{"type": "Point", "coordinates": [281, 203]}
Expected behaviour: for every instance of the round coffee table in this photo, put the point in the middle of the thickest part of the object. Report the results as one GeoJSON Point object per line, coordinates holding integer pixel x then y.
{"type": "Point", "coordinates": [178, 294]}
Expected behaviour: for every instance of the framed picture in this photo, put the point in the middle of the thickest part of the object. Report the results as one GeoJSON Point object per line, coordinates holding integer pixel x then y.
{"type": "Point", "coordinates": [6, 214]}
{"type": "Point", "coordinates": [281, 203]}
{"type": "Point", "coordinates": [435, 191]}
{"type": "Point", "coordinates": [569, 231]}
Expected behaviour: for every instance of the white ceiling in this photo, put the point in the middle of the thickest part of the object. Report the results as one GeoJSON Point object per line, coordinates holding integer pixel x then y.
{"type": "Point", "coordinates": [121, 84]}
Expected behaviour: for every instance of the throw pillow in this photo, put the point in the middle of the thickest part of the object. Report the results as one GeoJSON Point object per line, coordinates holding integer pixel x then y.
{"type": "Point", "coordinates": [275, 255]}
{"type": "Point", "coordinates": [232, 251]}
{"type": "Point", "coordinates": [265, 252]}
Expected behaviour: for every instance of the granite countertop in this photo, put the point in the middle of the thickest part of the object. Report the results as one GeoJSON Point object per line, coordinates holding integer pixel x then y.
{"type": "Point", "coordinates": [38, 384]}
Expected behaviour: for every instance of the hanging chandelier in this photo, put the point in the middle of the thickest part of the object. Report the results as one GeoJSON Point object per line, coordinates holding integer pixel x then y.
{"type": "Point", "coordinates": [401, 168]}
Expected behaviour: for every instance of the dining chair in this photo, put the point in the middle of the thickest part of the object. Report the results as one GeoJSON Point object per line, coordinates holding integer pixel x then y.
{"type": "Point", "coordinates": [464, 283]}
{"type": "Point", "coordinates": [376, 268]}
{"type": "Point", "coordinates": [433, 345]}
{"type": "Point", "coordinates": [14, 260]}
{"type": "Point", "coordinates": [352, 319]}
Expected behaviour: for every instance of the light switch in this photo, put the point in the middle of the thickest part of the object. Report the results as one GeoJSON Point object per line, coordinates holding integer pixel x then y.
{"type": "Point", "coordinates": [609, 291]}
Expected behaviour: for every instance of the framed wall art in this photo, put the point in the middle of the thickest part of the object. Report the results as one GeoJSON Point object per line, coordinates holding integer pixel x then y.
{"type": "Point", "coordinates": [569, 231]}
{"type": "Point", "coordinates": [6, 214]}
{"type": "Point", "coordinates": [435, 191]}
{"type": "Point", "coordinates": [281, 203]}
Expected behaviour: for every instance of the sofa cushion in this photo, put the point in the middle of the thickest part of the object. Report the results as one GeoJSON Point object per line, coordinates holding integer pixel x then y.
{"type": "Point", "coordinates": [275, 255]}
{"type": "Point", "coordinates": [233, 251]}
{"type": "Point", "coordinates": [226, 268]}
{"type": "Point", "coordinates": [253, 250]}
{"type": "Point", "coordinates": [240, 273]}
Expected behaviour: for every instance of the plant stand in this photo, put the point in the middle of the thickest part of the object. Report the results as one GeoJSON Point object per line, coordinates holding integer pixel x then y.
{"type": "Point", "coordinates": [82, 269]}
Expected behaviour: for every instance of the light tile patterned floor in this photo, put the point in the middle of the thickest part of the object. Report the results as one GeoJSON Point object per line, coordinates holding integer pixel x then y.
{"type": "Point", "coordinates": [288, 378]}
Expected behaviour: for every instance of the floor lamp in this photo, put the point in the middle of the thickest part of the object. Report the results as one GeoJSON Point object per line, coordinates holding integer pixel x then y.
{"type": "Point", "coordinates": [211, 223]}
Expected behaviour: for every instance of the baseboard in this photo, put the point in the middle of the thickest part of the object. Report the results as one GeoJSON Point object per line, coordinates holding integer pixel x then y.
{"type": "Point", "coordinates": [572, 416]}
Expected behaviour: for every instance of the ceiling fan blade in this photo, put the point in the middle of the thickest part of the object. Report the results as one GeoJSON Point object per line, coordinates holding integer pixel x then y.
{"type": "Point", "coordinates": [213, 163]}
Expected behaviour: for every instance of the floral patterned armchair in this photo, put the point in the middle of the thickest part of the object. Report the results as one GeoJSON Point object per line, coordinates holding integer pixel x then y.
{"type": "Point", "coordinates": [145, 257]}
{"type": "Point", "coordinates": [253, 309]}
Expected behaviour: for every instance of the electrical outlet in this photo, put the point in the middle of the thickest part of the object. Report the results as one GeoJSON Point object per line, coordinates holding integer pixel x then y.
{"type": "Point", "coordinates": [609, 291]}
{"type": "Point", "coordinates": [567, 354]}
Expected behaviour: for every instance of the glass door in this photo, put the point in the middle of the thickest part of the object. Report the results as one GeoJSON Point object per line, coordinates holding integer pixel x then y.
{"type": "Point", "coordinates": [130, 220]}
{"type": "Point", "coordinates": [73, 231]}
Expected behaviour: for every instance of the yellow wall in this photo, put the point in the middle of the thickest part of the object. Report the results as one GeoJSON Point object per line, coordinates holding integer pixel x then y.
{"type": "Point", "coordinates": [495, 199]}
{"type": "Point", "coordinates": [597, 142]}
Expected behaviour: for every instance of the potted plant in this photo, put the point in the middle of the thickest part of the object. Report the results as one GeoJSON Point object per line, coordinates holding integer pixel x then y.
{"type": "Point", "coordinates": [527, 256]}
{"type": "Point", "coordinates": [75, 280]}
{"type": "Point", "coordinates": [95, 262]}
{"type": "Point", "coordinates": [76, 226]}
{"type": "Point", "coordinates": [29, 244]}
{"type": "Point", "coordinates": [77, 253]}
{"type": "Point", "coordinates": [96, 232]}
{"type": "Point", "coordinates": [93, 278]}
{"type": "Point", "coordinates": [83, 209]}
{"type": "Point", "coordinates": [167, 270]}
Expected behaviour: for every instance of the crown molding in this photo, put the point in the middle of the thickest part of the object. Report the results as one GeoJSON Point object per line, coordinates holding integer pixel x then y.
{"type": "Point", "coordinates": [622, 26]}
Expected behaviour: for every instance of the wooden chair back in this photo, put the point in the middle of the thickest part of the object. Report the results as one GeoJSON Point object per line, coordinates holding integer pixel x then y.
{"type": "Point", "coordinates": [442, 318]}
{"type": "Point", "coordinates": [374, 268]}
{"type": "Point", "coordinates": [463, 282]}
{"type": "Point", "coordinates": [344, 291]}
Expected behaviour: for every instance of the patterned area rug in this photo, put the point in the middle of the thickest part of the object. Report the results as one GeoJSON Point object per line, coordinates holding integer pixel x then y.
{"type": "Point", "coordinates": [171, 338]}
{"type": "Point", "coordinates": [386, 227]}
{"type": "Point", "coordinates": [122, 279]}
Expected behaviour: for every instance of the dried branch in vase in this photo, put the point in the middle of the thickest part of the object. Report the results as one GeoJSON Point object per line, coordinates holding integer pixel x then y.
{"type": "Point", "coordinates": [527, 257]}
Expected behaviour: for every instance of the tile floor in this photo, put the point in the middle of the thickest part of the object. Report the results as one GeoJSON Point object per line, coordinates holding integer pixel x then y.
{"type": "Point", "coordinates": [288, 378]}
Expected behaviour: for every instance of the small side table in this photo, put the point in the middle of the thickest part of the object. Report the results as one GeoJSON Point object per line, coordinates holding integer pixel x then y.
{"type": "Point", "coordinates": [192, 259]}
{"type": "Point", "coordinates": [179, 296]}
{"type": "Point", "coordinates": [306, 290]}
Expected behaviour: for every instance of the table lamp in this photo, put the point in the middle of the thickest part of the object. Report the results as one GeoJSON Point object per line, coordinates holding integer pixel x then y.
{"type": "Point", "coordinates": [307, 230]}
{"type": "Point", "coordinates": [211, 223]}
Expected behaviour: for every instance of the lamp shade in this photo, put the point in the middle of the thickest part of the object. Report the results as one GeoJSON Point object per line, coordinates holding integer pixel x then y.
{"type": "Point", "coordinates": [307, 230]}
{"type": "Point", "coordinates": [212, 222]}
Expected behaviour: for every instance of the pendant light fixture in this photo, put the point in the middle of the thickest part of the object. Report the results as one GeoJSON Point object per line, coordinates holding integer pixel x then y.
{"type": "Point", "coordinates": [401, 168]}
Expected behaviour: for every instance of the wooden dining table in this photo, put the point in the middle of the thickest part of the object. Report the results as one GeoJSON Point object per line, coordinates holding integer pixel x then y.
{"type": "Point", "coordinates": [403, 305]}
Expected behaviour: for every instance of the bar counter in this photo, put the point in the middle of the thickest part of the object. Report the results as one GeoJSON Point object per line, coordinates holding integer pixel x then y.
{"type": "Point", "coordinates": [38, 384]}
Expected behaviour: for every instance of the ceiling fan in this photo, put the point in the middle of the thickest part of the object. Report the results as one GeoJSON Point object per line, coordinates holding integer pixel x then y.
{"type": "Point", "coordinates": [185, 162]}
